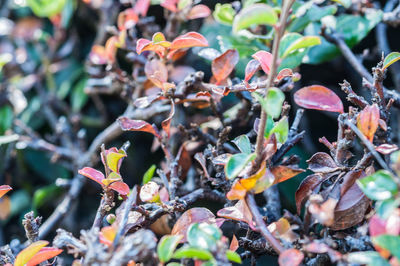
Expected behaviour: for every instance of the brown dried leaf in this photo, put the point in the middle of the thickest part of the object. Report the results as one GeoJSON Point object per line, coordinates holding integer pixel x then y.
{"type": "Point", "coordinates": [305, 189]}
{"type": "Point", "coordinates": [127, 124]}
{"type": "Point", "coordinates": [322, 162]}
{"type": "Point", "coordinates": [223, 65]}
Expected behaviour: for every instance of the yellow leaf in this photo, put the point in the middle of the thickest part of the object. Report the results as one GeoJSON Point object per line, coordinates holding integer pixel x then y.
{"type": "Point", "coordinates": [26, 254]}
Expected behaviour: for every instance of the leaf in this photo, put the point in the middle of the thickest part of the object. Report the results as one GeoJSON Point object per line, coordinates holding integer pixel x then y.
{"type": "Point", "coordinates": [127, 124]}
{"type": "Point", "coordinates": [199, 11]}
{"type": "Point", "coordinates": [120, 187]}
{"type": "Point", "coordinates": [193, 215]}
{"type": "Point", "coordinates": [192, 253]}
{"type": "Point", "coordinates": [390, 59]}
{"type": "Point", "coordinates": [167, 246]}
{"type": "Point", "coordinates": [272, 104]}
{"type": "Point", "coordinates": [234, 244]}
{"type": "Point", "coordinates": [281, 130]}
{"type": "Point", "coordinates": [46, 8]}
{"type": "Point", "coordinates": [156, 72]}
{"type": "Point", "coordinates": [236, 163]}
{"type": "Point", "coordinates": [114, 160]}
{"type": "Point", "coordinates": [265, 59]}
{"type": "Point", "coordinates": [319, 98]}
{"type": "Point", "coordinates": [386, 148]}
{"type": "Point", "coordinates": [378, 186]}
{"type": "Point", "coordinates": [239, 212]}
{"type": "Point", "coordinates": [203, 236]}
{"type": "Point", "coordinates": [257, 14]}
{"type": "Point", "coordinates": [44, 254]}
{"type": "Point", "coordinates": [233, 256]}
{"type": "Point", "coordinates": [190, 39]}
{"type": "Point", "coordinates": [345, 3]}
{"type": "Point", "coordinates": [93, 174]}
{"type": "Point", "coordinates": [26, 254]}
{"type": "Point", "coordinates": [369, 258]}
{"type": "Point", "coordinates": [251, 68]}
{"type": "Point", "coordinates": [322, 162]}
{"type": "Point", "coordinates": [141, 7]}
{"type": "Point", "coordinates": [292, 257]}
{"type": "Point", "coordinates": [148, 175]}
{"type": "Point", "coordinates": [78, 96]}
{"type": "Point", "coordinates": [388, 242]}
{"type": "Point", "coordinates": [127, 19]}
{"type": "Point", "coordinates": [171, 5]}
{"type": "Point", "coordinates": [166, 124]}
{"type": "Point", "coordinates": [4, 189]}
{"type": "Point", "coordinates": [107, 235]}
{"type": "Point", "coordinates": [150, 192]}
{"type": "Point", "coordinates": [367, 121]}
{"type": "Point", "coordinates": [223, 65]}
{"type": "Point", "coordinates": [238, 191]}
{"type": "Point", "coordinates": [305, 189]}
{"type": "Point", "coordinates": [283, 172]}
{"type": "Point", "coordinates": [224, 13]}
{"type": "Point", "coordinates": [301, 43]}
{"type": "Point", "coordinates": [243, 143]}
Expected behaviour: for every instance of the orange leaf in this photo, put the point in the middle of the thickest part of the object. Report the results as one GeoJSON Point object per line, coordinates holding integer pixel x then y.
{"type": "Point", "coordinates": [4, 189]}
{"type": "Point", "coordinates": [26, 254]}
{"type": "Point", "coordinates": [237, 191]}
{"type": "Point", "coordinates": [127, 19]}
{"type": "Point", "coordinates": [107, 235]}
{"type": "Point", "coordinates": [127, 124]}
{"type": "Point", "coordinates": [44, 254]}
{"type": "Point", "coordinates": [319, 98]}
{"type": "Point", "coordinates": [199, 11]}
{"type": "Point", "coordinates": [234, 244]}
{"type": "Point", "coordinates": [283, 172]}
{"type": "Point", "coordinates": [223, 65]}
{"type": "Point", "coordinates": [367, 121]}
{"type": "Point", "coordinates": [190, 39]}
{"type": "Point", "coordinates": [265, 59]}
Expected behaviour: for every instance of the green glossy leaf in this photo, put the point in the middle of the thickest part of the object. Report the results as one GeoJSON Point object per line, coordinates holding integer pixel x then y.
{"type": "Point", "coordinates": [46, 8]}
{"type": "Point", "coordinates": [281, 130]}
{"type": "Point", "coordinates": [388, 242]}
{"type": "Point", "coordinates": [295, 58]}
{"type": "Point", "coordinates": [301, 43]}
{"type": "Point", "coordinates": [272, 104]}
{"type": "Point", "coordinates": [243, 143]}
{"type": "Point", "coordinates": [203, 236]}
{"type": "Point", "coordinates": [167, 246]}
{"type": "Point", "coordinates": [390, 59]}
{"type": "Point", "coordinates": [237, 163]}
{"type": "Point", "coordinates": [192, 253]}
{"type": "Point", "coordinates": [257, 14]}
{"type": "Point", "coordinates": [378, 186]}
{"type": "Point", "coordinates": [369, 258]}
{"type": "Point", "coordinates": [233, 256]}
{"type": "Point", "coordinates": [224, 13]}
{"type": "Point", "coordinates": [149, 174]}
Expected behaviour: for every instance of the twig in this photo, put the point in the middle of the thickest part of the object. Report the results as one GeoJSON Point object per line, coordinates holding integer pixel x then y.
{"type": "Point", "coordinates": [31, 226]}
{"type": "Point", "coordinates": [261, 224]}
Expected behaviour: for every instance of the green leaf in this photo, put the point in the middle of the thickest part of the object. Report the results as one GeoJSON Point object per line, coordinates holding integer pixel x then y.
{"type": "Point", "coordinates": [388, 242]}
{"type": "Point", "coordinates": [174, 264]}
{"type": "Point", "coordinates": [149, 174]}
{"type": "Point", "coordinates": [301, 43]}
{"type": "Point", "coordinates": [243, 143]}
{"type": "Point", "coordinates": [203, 236]}
{"type": "Point", "coordinates": [192, 253]}
{"type": "Point", "coordinates": [233, 256]}
{"type": "Point", "coordinates": [257, 14]}
{"type": "Point", "coordinates": [167, 246]}
{"type": "Point", "coordinates": [385, 208]}
{"type": "Point", "coordinates": [378, 186]}
{"type": "Point", "coordinates": [7, 116]}
{"type": "Point", "coordinates": [224, 13]}
{"type": "Point", "coordinates": [390, 59]}
{"type": "Point", "coordinates": [46, 8]}
{"type": "Point", "coordinates": [369, 258]}
{"type": "Point", "coordinates": [272, 105]}
{"type": "Point", "coordinates": [295, 58]}
{"type": "Point", "coordinates": [309, 12]}
{"type": "Point", "coordinates": [78, 96]}
{"type": "Point", "coordinates": [44, 195]}
{"type": "Point", "coordinates": [237, 163]}
{"type": "Point", "coordinates": [344, 3]}
{"type": "Point", "coordinates": [281, 130]}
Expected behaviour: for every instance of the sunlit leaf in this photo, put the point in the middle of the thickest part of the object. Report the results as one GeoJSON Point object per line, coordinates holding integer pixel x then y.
{"type": "Point", "coordinates": [257, 14]}
{"type": "Point", "coordinates": [386, 148]}
{"type": "Point", "coordinates": [167, 246]}
{"type": "Point", "coordinates": [44, 254]}
{"type": "Point", "coordinates": [234, 244]}
{"type": "Point", "coordinates": [272, 103]}
{"type": "Point", "coordinates": [107, 235]}
{"type": "Point", "coordinates": [127, 124]}
{"type": "Point", "coordinates": [192, 253]}
{"type": "Point", "coordinates": [223, 65]}
{"type": "Point", "coordinates": [301, 43]}
{"type": "Point", "coordinates": [224, 13]}
{"type": "Point", "coordinates": [367, 121]}
{"type": "Point", "coordinates": [156, 72]}
{"type": "Point", "coordinates": [378, 186]}
{"type": "Point", "coordinates": [280, 129]}
{"type": "Point", "coordinates": [243, 143]}
{"type": "Point", "coordinates": [148, 175]}
{"type": "Point", "coordinates": [47, 8]}
{"type": "Point", "coordinates": [233, 256]}
{"type": "Point", "coordinates": [4, 189]}
{"type": "Point", "coordinates": [292, 257]}
{"type": "Point", "coordinates": [114, 160]}
{"type": "Point", "coordinates": [369, 258]}
{"type": "Point", "coordinates": [141, 7]}
{"type": "Point", "coordinates": [190, 39]}
{"type": "Point", "coordinates": [120, 187]}
{"type": "Point", "coordinates": [319, 98]}
{"type": "Point", "coordinates": [26, 254]}
{"type": "Point", "coordinates": [237, 163]}
{"type": "Point", "coordinates": [265, 59]}
{"type": "Point", "coordinates": [199, 11]}
{"type": "Point", "coordinates": [283, 172]}
{"type": "Point", "coordinates": [171, 5]}
{"type": "Point", "coordinates": [203, 236]}
{"type": "Point", "coordinates": [390, 59]}
{"type": "Point", "coordinates": [127, 19]}
{"type": "Point", "coordinates": [92, 174]}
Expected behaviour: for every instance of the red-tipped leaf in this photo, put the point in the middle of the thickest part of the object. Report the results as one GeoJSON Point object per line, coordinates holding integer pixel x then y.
{"type": "Point", "coordinates": [190, 39]}
{"type": "Point", "coordinates": [265, 59]}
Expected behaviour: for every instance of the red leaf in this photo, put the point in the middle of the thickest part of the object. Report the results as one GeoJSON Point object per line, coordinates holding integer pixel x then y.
{"type": "Point", "coordinates": [252, 67]}
{"type": "Point", "coordinates": [292, 257]}
{"type": "Point", "coordinates": [141, 7]}
{"type": "Point", "coordinates": [322, 162]}
{"type": "Point", "coordinates": [234, 244]}
{"type": "Point", "coordinates": [120, 187]}
{"type": "Point", "coordinates": [305, 189]}
{"type": "Point", "coordinates": [367, 121]}
{"type": "Point", "coordinates": [127, 19]}
{"type": "Point", "coordinates": [190, 39]}
{"type": "Point", "coordinates": [239, 212]}
{"type": "Point", "coordinates": [170, 5]}
{"type": "Point", "coordinates": [319, 98]}
{"type": "Point", "coordinates": [127, 124]}
{"type": "Point", "coordinates": [265, 59]}
{"type": "Point", "coordinates": [286, 72]}
{"type": "Point", "coordinates": [4, 189]}
{"type": "Point", "coordinates": [146, 45]}
{"type": "Point", "coordinates": [199, 11]}
{"type": "Point", "coordinates": [141, 44]}
{"type": "Point", "coordinates": [166, 124]}
{"type": "Point", "coordinates": [92, 174]}
{"type": "Point", "coordinates": [44, 254]}
{"type": "Point", "coordinates": [224, 64]}
{"type": "Point", "coordinates": [386, 148]}
{"type": "Point", "coordinates": [193, 215]}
